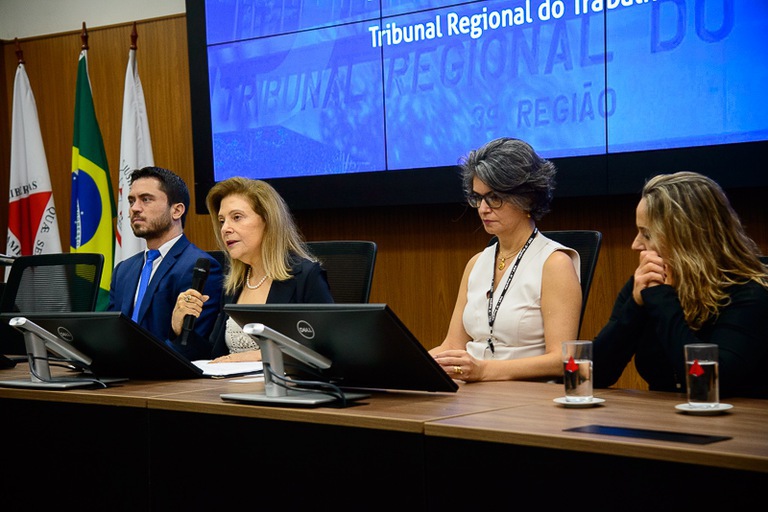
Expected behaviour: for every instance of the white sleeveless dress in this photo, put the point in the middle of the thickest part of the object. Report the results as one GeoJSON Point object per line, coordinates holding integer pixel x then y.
{"type": "Point", "coordinates": [518, 330]}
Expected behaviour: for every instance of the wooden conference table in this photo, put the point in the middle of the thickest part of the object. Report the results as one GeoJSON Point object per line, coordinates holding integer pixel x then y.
{"type": "Point", "coordinates": [176, 445]}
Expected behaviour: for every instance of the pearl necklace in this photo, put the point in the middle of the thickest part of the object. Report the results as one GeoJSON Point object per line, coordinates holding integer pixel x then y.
{"type": "Point", "coordinates": [248, 280]}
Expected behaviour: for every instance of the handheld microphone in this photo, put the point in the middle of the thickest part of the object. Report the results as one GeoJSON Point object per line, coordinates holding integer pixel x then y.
{"type": "Point", "coordinates": [199, 276]}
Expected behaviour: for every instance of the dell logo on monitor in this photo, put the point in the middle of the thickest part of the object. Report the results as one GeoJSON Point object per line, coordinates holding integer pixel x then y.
{"type": "Point", "coordinates": [64, 333]}
{"type": "Point", "coordinates": [305, 329]}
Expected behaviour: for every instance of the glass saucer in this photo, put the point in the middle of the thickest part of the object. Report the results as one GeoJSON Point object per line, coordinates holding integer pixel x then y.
{"type": "Point", "coordinates": [577, 405]}
{"type": "Point", "coordinates": [703, 411]}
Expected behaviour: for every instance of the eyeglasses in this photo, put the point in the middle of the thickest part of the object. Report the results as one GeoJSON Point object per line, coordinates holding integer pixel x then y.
{"type": "Point", "coordinates": [492, 199]}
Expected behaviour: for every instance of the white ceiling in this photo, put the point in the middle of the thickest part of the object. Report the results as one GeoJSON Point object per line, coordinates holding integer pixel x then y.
{"type": "Point", "coordinates": [28, 18]}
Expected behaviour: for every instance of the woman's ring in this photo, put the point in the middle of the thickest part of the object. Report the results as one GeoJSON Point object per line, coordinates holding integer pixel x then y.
{"type": "Point", "coordinates": [457, 369]}
{"type": "Point", "coordinates": [186, 298]}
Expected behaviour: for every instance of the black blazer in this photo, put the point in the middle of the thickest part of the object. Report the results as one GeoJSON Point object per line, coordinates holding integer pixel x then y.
{"type": "Point", "coordinates": [308, 285]}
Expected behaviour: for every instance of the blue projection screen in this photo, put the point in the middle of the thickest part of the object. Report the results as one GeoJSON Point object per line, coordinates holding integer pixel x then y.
{"type": "Point", "coordinates": [400, 90]}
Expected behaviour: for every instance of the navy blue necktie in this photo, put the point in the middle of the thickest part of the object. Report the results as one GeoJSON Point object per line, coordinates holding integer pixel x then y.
{"type": "Point", "coordinates": [146, 272]}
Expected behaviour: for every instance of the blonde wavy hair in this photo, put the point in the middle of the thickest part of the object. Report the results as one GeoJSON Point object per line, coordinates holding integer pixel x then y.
{"type": "Point", "coordinates": [703, 241]}
{"type": "Point", "coordinates": [282, 242]}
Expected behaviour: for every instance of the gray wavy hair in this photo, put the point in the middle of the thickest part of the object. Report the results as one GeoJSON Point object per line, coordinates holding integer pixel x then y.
{"type": "Point", "coordinates": [514, 171]}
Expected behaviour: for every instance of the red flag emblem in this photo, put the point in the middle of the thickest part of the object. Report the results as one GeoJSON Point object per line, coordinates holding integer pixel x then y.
{"type": "Point", "coordinates": [696, 369]}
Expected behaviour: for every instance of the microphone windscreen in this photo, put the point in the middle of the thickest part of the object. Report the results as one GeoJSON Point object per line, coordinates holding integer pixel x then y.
{"type": "Point", "coordinates": [202, 265]}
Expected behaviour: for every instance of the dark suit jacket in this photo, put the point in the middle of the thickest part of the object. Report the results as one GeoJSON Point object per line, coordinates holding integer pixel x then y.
{"type": "Point", "coordinates": [173, 276]}
{"type": "Point", "coordinates": [308, 285]}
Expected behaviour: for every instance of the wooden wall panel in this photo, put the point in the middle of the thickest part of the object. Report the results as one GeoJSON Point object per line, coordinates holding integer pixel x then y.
{"type": "Point", "coordinates": [422, 248]}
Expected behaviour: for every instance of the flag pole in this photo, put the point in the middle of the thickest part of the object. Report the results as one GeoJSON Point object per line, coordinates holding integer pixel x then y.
{"type": "Point", "coordinates": [19, 53]}
{"type": "Point", "coordinates": [32, 218]}
{"type": "Point", "coordinates": [135, 153]}
{"type": "Point", "coordinates": [7, 260]}
{"type": "Point", "coordinates": [134, 37]}
{"type": "Point", "coordinates": [84, 38]}
{"type": "Point", "coordinates": [93, 203]}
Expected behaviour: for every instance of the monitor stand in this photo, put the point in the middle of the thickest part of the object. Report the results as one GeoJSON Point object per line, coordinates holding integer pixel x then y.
{"type": "Point", "coordinates": [291, 398]}
{"type": "Point", "coordinates": [40, 378]}
{"type": "Point", "coordinates": [276, 394]}
{"type": "Point", "coordinates": [58, 383]}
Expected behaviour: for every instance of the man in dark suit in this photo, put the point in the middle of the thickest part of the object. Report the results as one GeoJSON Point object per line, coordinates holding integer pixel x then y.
{"type": "Point", "coordinates": [159, 202]}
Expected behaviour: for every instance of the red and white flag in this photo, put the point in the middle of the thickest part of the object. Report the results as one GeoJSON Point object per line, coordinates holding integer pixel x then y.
{"type": "Point", "coordinates": [135, 153]}
{"type": "Point", "coordinates": [33, 226]}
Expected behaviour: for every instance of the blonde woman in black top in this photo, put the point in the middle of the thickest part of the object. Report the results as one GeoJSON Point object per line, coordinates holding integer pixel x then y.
{"type": "Point", "coordinates": [698, 280]}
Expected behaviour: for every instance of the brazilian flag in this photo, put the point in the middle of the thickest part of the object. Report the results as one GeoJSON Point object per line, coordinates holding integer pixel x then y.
{"type": "Point", "coordinates": [93, 205]}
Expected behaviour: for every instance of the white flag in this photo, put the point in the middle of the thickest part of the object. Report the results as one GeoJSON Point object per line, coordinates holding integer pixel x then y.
{"type": "Point", "coordinates": [33, 226]}
{"type": "Point", "coordinates": [135, 153]}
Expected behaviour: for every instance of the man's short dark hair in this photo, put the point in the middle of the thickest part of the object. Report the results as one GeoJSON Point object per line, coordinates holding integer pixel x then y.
{"type": "Point", "coordinates": [170, 183]}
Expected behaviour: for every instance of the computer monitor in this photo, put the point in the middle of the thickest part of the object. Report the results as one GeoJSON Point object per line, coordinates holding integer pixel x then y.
{"type": "Point", "coordinates": [367, 344]}
{"type": "Point", "coordinates": [117, 346]}
{"type": "Point", "coordinates": [40, 344]}
{"type": "Point", "coordinates": [6, 362]}
{"type": "Point", "coordinates": [11, 340]}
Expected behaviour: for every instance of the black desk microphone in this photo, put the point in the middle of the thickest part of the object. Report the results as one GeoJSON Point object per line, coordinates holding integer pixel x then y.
{"type": "Point", "coordinates": [199, 276]}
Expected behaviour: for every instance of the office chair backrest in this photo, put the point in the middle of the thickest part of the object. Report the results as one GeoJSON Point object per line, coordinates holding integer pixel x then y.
{"type": "Point", "coordinates": [587, 243]}
{"type": "Point", "coordinates": [349, 264]}
{"type": "Point", "coordinates": [53, 283]}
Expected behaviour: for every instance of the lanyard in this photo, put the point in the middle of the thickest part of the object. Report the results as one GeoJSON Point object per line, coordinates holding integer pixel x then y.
{"type": "Point", "coordinates": [491, 310]}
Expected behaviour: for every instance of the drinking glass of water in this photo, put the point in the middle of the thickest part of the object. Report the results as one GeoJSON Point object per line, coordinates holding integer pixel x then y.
{"type": "Point", "coordinates": [577, 371]}
{"type": "Point", "coordinates": [701, 375]}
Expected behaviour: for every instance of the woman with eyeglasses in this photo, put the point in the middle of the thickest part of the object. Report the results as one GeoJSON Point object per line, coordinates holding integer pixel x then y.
{"type": "Point", "coordinates": [520, 298]}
